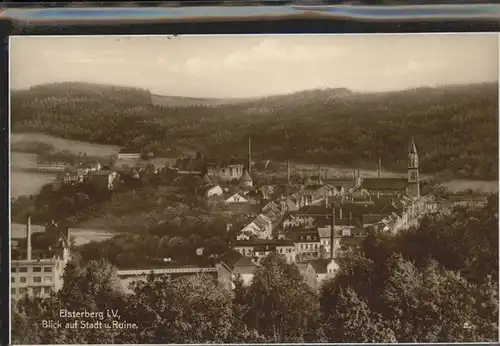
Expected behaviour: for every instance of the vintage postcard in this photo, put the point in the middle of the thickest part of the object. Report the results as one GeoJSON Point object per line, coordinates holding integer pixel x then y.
{"type": "Point", "coordinates": [254, 189]}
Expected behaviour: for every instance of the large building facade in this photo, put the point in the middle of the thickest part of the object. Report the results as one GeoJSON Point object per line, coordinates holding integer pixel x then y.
{"type": "Point", "coordinates": [37, 273]}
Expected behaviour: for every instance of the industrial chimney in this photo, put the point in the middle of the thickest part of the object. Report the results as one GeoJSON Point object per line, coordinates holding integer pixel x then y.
{"type": "Point", "coordinates": [288, 172]}
{"type": "Point", "coordinates": [379, 167]}
{"type": "Point", "coordinates": [28, 238]}
{"type": "Point", "coordinates": [332, 235]}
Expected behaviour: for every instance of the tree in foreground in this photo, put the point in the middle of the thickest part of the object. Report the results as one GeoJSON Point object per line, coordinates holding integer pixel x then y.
{"type": "Point", "coordinates": [184, 310]}
{"type": "Point", "coordinates": [279, 304]}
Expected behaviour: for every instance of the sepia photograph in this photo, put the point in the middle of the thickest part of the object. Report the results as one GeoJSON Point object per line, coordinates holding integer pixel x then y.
{"type": "Point", "coordinates": [254, 189]}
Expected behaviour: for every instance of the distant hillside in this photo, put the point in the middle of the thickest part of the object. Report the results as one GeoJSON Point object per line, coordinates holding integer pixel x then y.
{"type": "Point", "coordinates": [180, 101]}
{"type": "Point", "coordinates": [455, 126]}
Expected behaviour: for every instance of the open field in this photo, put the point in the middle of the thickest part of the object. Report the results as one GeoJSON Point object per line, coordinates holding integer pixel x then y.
{"type": "Point", "coordinates": [81, 236]}
{"type": "Point", "coordinates": [25, 183]}
{"type": "Point", "coordinates": [65, 144]}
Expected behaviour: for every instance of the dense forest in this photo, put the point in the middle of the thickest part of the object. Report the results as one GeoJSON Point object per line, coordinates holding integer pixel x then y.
{"type": "Point", "coordinates": [435, 283]}
{"type": "Point", "coordinates": [455, 127]}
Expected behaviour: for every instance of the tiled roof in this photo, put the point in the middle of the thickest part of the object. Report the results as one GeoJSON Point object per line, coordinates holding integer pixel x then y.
{"type": "Point", "coordinates": [320, 265]}
{"type": "Point", "coordinates": [262, 221]}
{"type": "Point", "coordinates": [301, 236]}
{"type": "Point", "coordinates": [325, 232]}
{"type": "Point", "coordinates": [246, 177]}
{"type": "Point", "coordinates": [458, 198]}
{"type": "Point", "coordinates": [235, 260]}
{"type": "Point", "coordinates": [384, 184]}
{"type": "Point", "coordinates": [206, 179]}
{"type": "Point", "coordinates": [370, 219]}
{"type": "Point", "coordinates": [263, 242]}
{"type": "Point", "coordinates": [348, 222]}
{"type": "Point", "coordinates": [314, 210]}
{"type": "Point", "coordinates": [129, 151]}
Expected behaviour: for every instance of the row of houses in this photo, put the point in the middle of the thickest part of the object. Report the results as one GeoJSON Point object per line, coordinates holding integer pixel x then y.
{"type": "Point", "coordinates": [235, 266]}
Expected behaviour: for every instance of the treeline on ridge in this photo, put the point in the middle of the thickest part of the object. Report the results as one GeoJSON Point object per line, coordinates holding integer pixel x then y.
{"type": "Point", "coordinates": [455, 127]}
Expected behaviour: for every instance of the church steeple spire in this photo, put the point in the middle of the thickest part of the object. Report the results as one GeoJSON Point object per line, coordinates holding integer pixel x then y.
{"type": "Point", "coordinates": [412, 154]}
{"type": "Point", "coordinates": [413, 176]}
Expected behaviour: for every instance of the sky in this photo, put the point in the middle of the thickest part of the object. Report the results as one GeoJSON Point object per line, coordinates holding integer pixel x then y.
{"type": "Point", "coordinates": [256, 65]}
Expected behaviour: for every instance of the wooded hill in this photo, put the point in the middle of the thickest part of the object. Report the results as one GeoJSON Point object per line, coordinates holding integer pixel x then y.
{"type": "Point", "coordinates": [455, 127]}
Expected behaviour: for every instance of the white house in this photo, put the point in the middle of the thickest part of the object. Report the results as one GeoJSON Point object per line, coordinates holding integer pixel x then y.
{"type": "Point", "coordinates": [261, 227]}
{"type": "Point", "coordinates": [105, 179]}
{"type": "Point", "coordinates": [214, 191]}
{"type": "Point", "coordinates": [236, 198]}
{"type": "Point", "coordinates": [128, 155]}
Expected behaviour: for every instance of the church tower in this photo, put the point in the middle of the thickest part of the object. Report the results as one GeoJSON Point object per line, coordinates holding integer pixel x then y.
{"type": "Point", "coordinates": [413, 178]}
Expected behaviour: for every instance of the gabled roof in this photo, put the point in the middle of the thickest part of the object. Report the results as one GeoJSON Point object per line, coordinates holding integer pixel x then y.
{"type": "Point", "coordinates": [237, 194]}
{"type": "Point", "coordinates": [207, 188]}
{"type": "Point", "coordinates": [237, 262]}
{"type": "Point", "coordinates": [290, 204]}
{"type": "Point", "coordinates": [320, 266]}
{"type": "Point", "coordinates": [371, 219]}
{"type": "Point", "coordinates": [206, 179]}
{"type": "Point", "coordinates": [325, 232]}
{"type": "Point", "coordinates": [314, 210]}
{"type": "Point", "coordinates": [262, 221]}
{"type": "Point", "coordinates": [380, 184]}
{"type": "Point", "coordinates": [246, 177]}
{"type": "Point", "coordinates": [301, 236]}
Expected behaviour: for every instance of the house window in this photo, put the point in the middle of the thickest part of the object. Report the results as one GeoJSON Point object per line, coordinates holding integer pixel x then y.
{"type": "Point", "coordinates": [23, 270]}
{"type": "Point", "coordinates": [346, 232]}
{"type": "Point", "coordinates": [37, 279]}
{"type": "Point", "coordinates": [13, 269]}
{"type": "Point", "coordinates": [13, 280]}
{"type": "Point", "coordinates": [47, 269]}
{"type": "Point", "coordinates": [37, 291]}
{"type": "Point", "coordinates": [23, 290]}
{"type": "Point", "coordinates": [13, 291]}
{"type": "Point", "coordinates": [47, 279]}
{"type": "Point", "coordinates": [37, 269]}
{"type": "Point", "coordinates": [47, 289]}
{"type": "Point", "coordinates": [23, 279]}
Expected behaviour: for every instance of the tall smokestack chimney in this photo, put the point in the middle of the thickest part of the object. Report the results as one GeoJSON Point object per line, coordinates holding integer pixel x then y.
{"type": "Point", "coordinates": [249, 155]}
{"type": "Point", "coordinates": [28, 238]}
{"type": "Point", "coordinates": [379, 167]}
{"type": "Point", "coordinates": [288, 171]}
{"type": "Point", "coordinates": [340, 213]}
{"type": "Point", "coordinates": [319, 174]}
{"type": "Point", "coordinates": [332, 235]}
